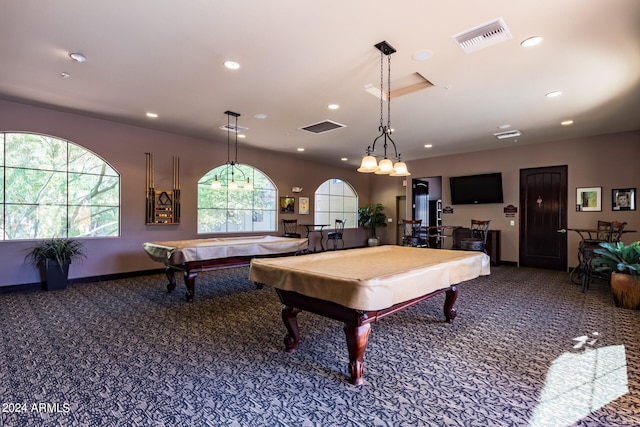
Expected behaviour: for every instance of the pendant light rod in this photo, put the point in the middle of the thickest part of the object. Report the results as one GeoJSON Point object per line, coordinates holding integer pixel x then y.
{"type": "Point", "coordinates": [236, 115]}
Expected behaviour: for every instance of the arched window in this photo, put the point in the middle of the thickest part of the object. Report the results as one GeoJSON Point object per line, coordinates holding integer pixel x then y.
{"type": "Point", "coordinates": [55, 188]}
{"type": "Point", "coordinates": [239, 210]}
{"type": "Point", "coordinates": [336, 199]}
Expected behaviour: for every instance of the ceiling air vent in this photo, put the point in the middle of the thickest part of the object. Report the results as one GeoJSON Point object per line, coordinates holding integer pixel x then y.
{"type": "Point", "coordinates": [322, 127]}
{"type": "Point", "coordinates": [508, 134]}
{"type": "Point", "coordinates": [483, 35]}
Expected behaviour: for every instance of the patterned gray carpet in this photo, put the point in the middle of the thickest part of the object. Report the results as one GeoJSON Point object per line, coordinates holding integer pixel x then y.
{"type": "Point", "coordinates": [527, 349]}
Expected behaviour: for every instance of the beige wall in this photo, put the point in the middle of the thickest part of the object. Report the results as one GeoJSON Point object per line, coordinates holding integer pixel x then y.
{"type": "Point", "coordinates": [124, 147]}
{"type": "Point", "coordinates": [607, 161]}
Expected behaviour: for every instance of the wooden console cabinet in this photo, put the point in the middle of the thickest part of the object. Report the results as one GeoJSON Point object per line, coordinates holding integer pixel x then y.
{"type": "Point", "coordinates": [493, 242]}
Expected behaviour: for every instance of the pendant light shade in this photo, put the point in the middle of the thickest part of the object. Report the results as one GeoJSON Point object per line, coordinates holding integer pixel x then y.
{"type": "Point", "coordinates": [385, 167]}
{"type": "Point", "coordinates": [400, 169]}
{"type": "Point", "coordinates": [369, 164]}
{"type": "Point", "coordinates": [215, 185]}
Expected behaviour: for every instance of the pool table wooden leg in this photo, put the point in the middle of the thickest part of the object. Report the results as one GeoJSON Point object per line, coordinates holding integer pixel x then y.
{"type": "Point", "coordinates": [449, 310]}
{"type": "Point", "coordinates": [289, 317]}
{"type": "Point", "coordinates": [172, 279]}
{"type": "Point", "coordinates": [357, 338]}
{"type": "Point", "coordinates": [190, 282]}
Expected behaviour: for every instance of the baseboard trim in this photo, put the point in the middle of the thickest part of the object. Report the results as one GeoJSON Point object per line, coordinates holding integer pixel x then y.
{"type": "Point", "coordinates": [81, 280]}
{"type": "Point", "coordinates": [508, 263]}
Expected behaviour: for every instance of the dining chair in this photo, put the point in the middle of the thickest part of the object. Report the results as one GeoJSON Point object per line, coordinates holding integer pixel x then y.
{"type": "Point", "coordinates": [336, 235]}
{"type": "Point", "coordinates": [291, 228]}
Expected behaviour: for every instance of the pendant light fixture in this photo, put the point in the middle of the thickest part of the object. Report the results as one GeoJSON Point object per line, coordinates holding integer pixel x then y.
{"type": "Point", "coordinates": [227, 176]}
{"type": "Point", "coordinates": [369, 163]}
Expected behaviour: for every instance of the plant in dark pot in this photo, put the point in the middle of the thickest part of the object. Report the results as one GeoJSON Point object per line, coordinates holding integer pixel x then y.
{"type": "Point", "coordinates": [54, 256]}
{"type": "Point", "coordinates": [623, 263]}
{"type": "Point", "coordinates": [372, 217]}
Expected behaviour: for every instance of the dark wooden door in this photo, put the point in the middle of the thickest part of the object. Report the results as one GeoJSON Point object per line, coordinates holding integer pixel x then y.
{"type": "Point", "coordinates": [543, 211]}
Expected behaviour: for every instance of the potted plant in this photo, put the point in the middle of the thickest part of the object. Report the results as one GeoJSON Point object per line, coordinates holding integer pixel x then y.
{"type": "Point", "coordinates": [54, 256]}
{"type": "Point", "coordinates": [623, 262]}
{"type": "Point", "coordinates": [372, 217]}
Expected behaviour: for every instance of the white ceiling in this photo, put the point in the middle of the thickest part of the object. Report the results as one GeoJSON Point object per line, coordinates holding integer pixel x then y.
{"type": "Point", "coordinates": [296, 57]}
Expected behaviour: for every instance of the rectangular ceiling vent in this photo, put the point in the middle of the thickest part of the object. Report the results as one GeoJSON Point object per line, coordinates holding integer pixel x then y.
{"type": "Point", "coordinates": [483, 36]}
{"type": "Point", "coordinates": [508, 134]}
{"type": "Point", "coordinates": [322, 127]}
{"type": "Point", "coordinates": [231, 127]}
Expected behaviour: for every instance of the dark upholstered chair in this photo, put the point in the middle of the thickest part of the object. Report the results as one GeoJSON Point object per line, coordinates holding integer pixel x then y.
{"type": "Point", "coordinates": [291, 228]}
{"type": "Point", "coordinates": [336, 235]}
{"type": "Point", "coordinates": [478, 239]}
{"type": "Point", "coordinates": [412, 236]}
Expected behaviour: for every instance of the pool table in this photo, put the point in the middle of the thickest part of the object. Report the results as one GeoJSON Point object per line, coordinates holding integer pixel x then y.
{"type": "Point", "coordinates": [194, 256]}
{"type": "Point", "coordinates": [361, 286]}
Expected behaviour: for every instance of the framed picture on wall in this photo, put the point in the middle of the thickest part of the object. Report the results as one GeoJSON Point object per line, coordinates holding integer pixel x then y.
{"type": "Point", "coordinates": [287, 204]}
{"type": "Point", "coordinates": [589, 199]}
{"type": "Point", "coordinates": [303, 205]}
{"type": "Point", "coordinates": [623, 199]}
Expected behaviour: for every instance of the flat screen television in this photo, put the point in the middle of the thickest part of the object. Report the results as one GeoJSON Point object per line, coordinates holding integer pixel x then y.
{"type": "Point", "coordinates": [476, 189]}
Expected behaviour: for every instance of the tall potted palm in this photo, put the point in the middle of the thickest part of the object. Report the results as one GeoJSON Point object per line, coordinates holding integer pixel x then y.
{"type": "Point", "coordinates": [623, 263]}
{"type": "Point", "coordinates": [54, 257]}
{"type": "Point", "coordinates": [372, 217]}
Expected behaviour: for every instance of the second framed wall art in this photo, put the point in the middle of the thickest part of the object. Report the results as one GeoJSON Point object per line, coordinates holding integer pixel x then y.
{"type": "Point", "coordinates": [623, 199]}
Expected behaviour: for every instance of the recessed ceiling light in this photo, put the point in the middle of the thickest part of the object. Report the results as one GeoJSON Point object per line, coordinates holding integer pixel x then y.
{"type": "Point", "coordinates": [428, 145]}
{"type": "Point", "coordinates": [241, 135]}
{"type": "Point", "coordinates": [78, 57]}
{"type": "Point", "coordinates": [344, 159]}
{"type": "Point", "coordinates": [531, 41]}
{"type": "Point", "coordinates": [333, 106]}
{"type": "Point", "coordinates": [504, 126]}
{"type": "Point", "coordinates": [566, 122]}
{"type": "Point", "coordinates": [65, 75]}
{"type": "Point", "coordinates": [422, 55]}
{"type": "Point", "coordinates": [232, 65]}
{"type": "Point", "coordinates": [300, 149]}
{"type": "Point", "coordinates": [260, 116]}
{"type": "Point", "coordinates": [553, 94]}
{"type": "Point", "coordinates": [152, 115]}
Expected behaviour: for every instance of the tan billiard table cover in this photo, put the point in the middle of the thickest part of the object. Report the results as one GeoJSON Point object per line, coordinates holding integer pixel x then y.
{"type": "Point", "coordinates": [181, 251]}
{"type": "Point", "coordinates": [370, 278]}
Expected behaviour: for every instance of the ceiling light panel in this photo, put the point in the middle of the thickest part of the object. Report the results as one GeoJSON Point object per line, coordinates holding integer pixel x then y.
{"type": "Point", "coordinates": [508, 134]}
{"type": "Point", "coordinates": [232, 127]}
